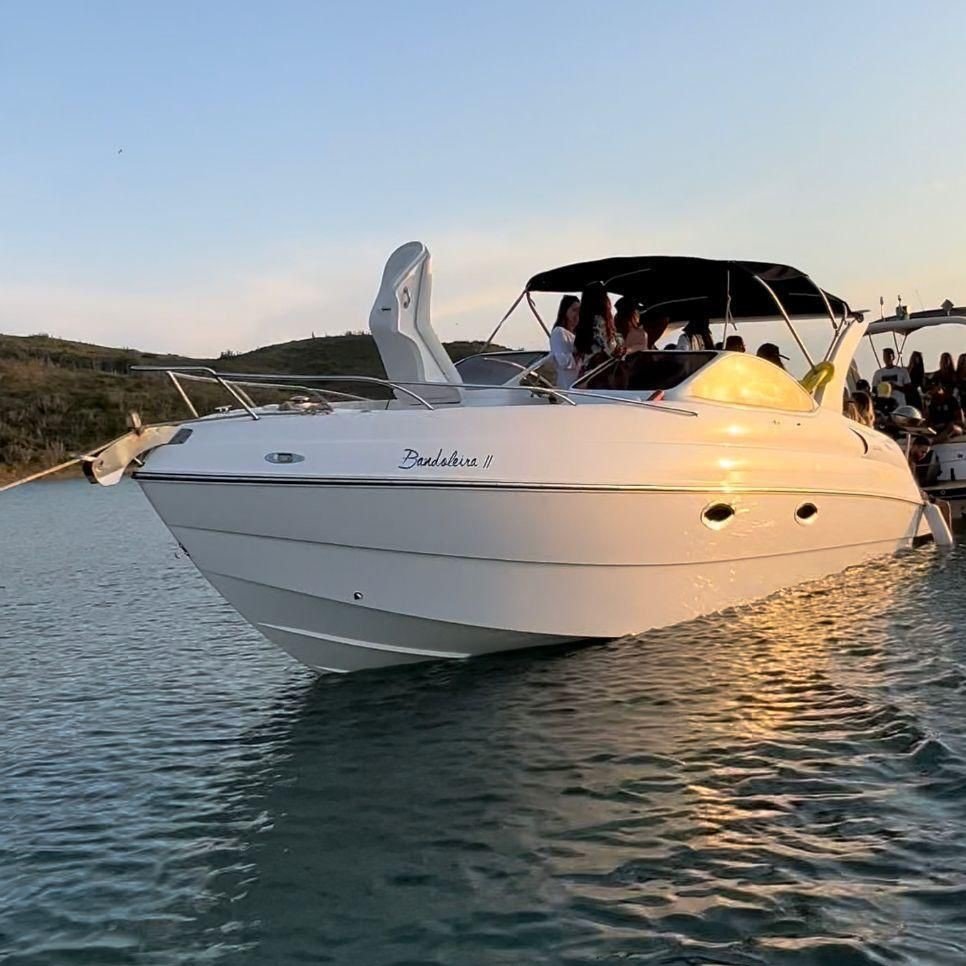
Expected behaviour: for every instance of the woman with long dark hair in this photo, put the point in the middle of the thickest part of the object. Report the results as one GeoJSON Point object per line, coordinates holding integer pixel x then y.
{"type": "Point", "coordinates": [945, 375]}
{"type": "Point", "coordinates": [596, 337]}
{"type": "Point", "coordinates": [562, 341]}
{"type": "Point", "coordinates": [961, 377]}
{"type": "Point", "coordinates": [917, 380]}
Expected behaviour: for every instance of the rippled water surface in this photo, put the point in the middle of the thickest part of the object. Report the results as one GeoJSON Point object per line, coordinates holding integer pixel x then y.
{"type": "Point", "coordinates": [781, 784]}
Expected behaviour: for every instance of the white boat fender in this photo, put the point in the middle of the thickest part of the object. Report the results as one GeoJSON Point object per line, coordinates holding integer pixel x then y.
{"type": "Point", "coordinates": [941, 534]}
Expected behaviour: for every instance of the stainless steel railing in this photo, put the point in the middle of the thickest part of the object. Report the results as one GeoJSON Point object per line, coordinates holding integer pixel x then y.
{"type": "Point", "coordinates": [235, 383]}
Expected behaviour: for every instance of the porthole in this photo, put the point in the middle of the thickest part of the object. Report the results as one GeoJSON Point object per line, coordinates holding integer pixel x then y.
{"type": "Point", "coordinates": [718, 515]}
{"type": "Point", "coordinates": [807, 513]}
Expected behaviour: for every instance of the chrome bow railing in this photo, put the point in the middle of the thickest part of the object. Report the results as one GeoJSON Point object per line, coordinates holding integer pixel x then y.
{"type": "Point", "coordinates": [235, 385]}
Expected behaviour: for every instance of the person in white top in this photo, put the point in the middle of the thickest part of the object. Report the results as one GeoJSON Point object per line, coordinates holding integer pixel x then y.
{"type": "Point", "coordinates": [897, 377]}
{"type": "Point", "coordinates": [562, 341]}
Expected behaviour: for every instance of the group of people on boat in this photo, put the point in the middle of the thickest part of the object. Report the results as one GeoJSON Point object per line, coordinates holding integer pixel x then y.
{"type": "Point", "coordinates": [590, 330]}
{"type": "Point", "coordinates": [937, 398]}
{"type": "Point", "coordinates": [910, 384]}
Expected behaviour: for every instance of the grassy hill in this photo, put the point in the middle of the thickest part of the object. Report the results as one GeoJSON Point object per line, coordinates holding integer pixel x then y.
{"type": "Point", "coordinates": [59, 398]}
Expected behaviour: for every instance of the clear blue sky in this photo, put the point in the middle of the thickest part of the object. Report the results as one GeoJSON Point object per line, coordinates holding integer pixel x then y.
{"type": "Point", "coordinates": [271, 155]}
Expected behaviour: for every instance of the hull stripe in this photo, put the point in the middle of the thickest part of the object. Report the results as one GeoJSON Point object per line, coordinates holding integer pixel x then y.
{"type": "Point", "coordinates": [382, 482]}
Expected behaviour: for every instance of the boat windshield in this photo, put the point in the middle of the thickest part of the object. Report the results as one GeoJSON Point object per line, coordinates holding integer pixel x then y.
{"type": "Point", "coordinates": [650, 369]}
{"type": "Point", "coordinates": [496, 368]}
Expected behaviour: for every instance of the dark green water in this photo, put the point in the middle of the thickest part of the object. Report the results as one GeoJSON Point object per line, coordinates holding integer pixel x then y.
{"type": "Point", "coordinates": [781, 784]}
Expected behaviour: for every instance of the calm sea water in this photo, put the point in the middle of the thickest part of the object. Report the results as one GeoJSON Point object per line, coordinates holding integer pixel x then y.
{"type": "Point", "coordinates": [781, 784]}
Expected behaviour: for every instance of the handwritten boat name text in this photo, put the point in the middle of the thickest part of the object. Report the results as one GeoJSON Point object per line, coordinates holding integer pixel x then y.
{"type": "Point", "coordinates": [412, 459]}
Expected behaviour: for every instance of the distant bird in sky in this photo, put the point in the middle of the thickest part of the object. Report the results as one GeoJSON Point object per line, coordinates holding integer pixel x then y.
{"type": "Point", "coordinates": [120, 150]}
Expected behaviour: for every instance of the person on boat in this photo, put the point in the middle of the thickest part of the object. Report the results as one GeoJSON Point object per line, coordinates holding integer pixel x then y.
{"type": "Point", "coordinates": [945, 414]}
{"type": "Point", "coordinates": [851, 411]}
{"type": "Point", "coordinates": [734, 343]}
{"type": "Point", "coordinates": [596, 338]}
{"type": "Point", "coordinates": [917, 380]}
{"type": "Point", "coordinates": [922, 461]}
{"type": "Point", "coordinates": [562, 341]}
{"type": "Point", "coordinates": [770, 351]}
{"type": "Point", "coordinates": [961, 377]}
{"type": "Point", "coordinates": [627, 321]}
{"type": "Point", "coordinates": [696, 335]}
{"type": "Point", "coordinates": [885, 405]}
{"type": "Point", "coordinates": [945, 375]}
{"type": "Point", "coordinates": [862, 385]}
{"type": "Point", "coordinates": [895, 376]}
{"type": "Point", "coordinates": [865, 410]}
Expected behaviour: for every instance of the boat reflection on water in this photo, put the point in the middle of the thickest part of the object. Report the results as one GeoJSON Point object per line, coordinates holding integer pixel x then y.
{"type": "Point", "coordinates": [761, 783]}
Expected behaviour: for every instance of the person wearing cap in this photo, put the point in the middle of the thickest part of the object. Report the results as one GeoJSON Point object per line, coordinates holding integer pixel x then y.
{"type": "Point", "coordinates": [885, 406]}
{"type": "Point", "coordinates": [769, 351]}
{"type": "Point", "coordinates": [734, 343]}
{"type": "Point", "coordinates": [696, 335]}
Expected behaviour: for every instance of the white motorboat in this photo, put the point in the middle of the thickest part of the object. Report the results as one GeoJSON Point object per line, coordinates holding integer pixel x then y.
{"type": "Point", "coordinates": [477, 509]}
{"type": "Point", "coordinates": [950, 454]}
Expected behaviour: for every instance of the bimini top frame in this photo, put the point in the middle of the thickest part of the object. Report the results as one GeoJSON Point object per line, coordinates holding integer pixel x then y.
{"type": "Point", "coordinates": [683, 288]}
{"type": "Point", "coordinates": [905, 325]}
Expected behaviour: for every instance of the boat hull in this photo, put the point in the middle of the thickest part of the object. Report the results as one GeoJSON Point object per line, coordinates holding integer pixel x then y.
{"type": "Point", "coordinates": [349, 576]}
{"type": "Point", "coordinates": [951, 485]}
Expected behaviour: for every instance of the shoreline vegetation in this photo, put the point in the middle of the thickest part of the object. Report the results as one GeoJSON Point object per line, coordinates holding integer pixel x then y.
{"type": "Point", "coordinates": [60, 398]}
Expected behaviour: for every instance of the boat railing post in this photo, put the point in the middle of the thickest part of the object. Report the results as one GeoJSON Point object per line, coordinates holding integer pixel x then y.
{"type": "Point", "coordinates": [183, 394]}
{"type": "Point", "coordinates": [251, 402]}
{"type": "Point", "coordinates": [226, 385]}
{"type": "Point", "coordinates": [536, 315]}
{"type": "Point", "coordinates": [499, 324]}
{"type": "Point", "coordinates": [828, 305]}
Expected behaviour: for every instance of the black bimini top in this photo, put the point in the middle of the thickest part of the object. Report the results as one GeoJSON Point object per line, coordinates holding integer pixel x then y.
{"type": "Point", "coordinates": [913, 321]}
{"type": "Point", "coordinates": [680, 287]}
